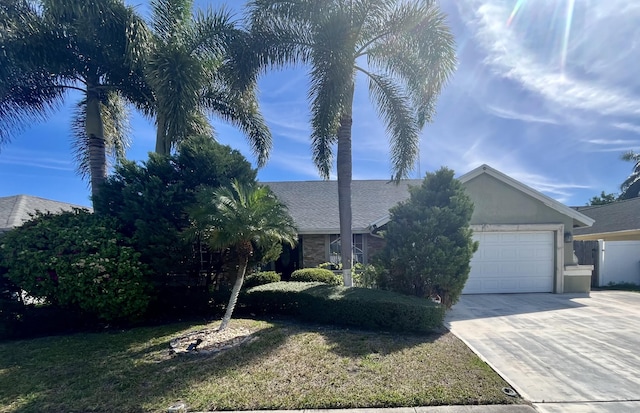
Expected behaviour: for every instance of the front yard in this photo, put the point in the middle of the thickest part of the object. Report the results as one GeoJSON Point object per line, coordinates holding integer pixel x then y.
{"type": "Point", "coordinates": [284, 366]}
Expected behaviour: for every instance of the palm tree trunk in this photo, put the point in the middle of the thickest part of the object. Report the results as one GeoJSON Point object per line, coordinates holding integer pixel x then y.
{"type": "Point", "coordinates": [344, 166]}
{"type": "Point", "coordinates": [162, 146]}
{"type": "Point", "coordinates": [95, 134]}
{"type": "Point", "coordinates": [242, 268]}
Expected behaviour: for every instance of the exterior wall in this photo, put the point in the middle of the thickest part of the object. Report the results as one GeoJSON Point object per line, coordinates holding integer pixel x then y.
{"type": "Point", "coordinates": [497, 203]}
{"type": "Point", "coordinates": [314, 250]}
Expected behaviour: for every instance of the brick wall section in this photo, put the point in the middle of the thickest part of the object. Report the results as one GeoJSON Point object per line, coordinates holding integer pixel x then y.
{"type": "Point", "coordinates": [374, 245]}
{"type": "Point", "coordinates": [314, 250]}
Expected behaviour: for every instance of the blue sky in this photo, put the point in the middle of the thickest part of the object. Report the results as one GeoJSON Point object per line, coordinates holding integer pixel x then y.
{"type": "Point", "coordinates": [546, 91]}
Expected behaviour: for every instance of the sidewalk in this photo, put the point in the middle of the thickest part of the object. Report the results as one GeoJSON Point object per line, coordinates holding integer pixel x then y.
{"type": "Point", "coordinates": [510, 408]}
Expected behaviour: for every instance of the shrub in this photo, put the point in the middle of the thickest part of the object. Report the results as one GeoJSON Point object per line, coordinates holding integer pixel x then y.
{"type": "Point", "coordinates": [261, 278]}
{"type": "Point", "coordinates": [359, 307]}
{"type": "Point", "coordinates": [77, 260]}
{"type": "Point", "coordinates": [316, 275]}
{"type": "Point", "coordinates": [429, 242]}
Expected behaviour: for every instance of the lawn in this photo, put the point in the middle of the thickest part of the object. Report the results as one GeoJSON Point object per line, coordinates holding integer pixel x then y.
{"type": "Point", "coordinates": [284, 366]}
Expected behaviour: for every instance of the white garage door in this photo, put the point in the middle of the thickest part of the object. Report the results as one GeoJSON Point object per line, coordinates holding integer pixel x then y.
{"type": "Point", "coordinates": [512, 262]}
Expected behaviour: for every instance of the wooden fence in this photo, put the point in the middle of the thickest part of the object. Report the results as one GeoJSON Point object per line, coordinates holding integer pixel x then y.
{"type": "Point", "coordinates": [587, 253]}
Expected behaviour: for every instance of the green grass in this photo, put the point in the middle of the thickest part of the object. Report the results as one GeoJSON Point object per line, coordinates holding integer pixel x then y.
{"type": "Point", "coordinates": [287, 366]}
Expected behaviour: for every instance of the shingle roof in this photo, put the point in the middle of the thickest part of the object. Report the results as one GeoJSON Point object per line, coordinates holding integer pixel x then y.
{"type": "Point", "coordinates": [613, 217]}
{"type": "Point", "coordinates": [16, 209]}
{"type": "Point", "coordinates": [314, 204]}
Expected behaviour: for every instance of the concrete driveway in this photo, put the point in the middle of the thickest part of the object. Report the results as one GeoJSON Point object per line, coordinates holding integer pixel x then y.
{"type": "Point", "coordinates": [565, 353]}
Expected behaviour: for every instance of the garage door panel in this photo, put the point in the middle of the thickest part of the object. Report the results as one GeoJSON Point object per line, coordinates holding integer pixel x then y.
{"type": "Point", "coordinates": [509, 262]}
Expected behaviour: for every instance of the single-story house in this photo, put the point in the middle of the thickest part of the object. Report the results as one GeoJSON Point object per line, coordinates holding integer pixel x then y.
{"type": "Point", "coordinates": [613, 240]}
{"type": "Point", "coordinates": [525, 236]}
{"type": "Point", "coordinates": [17, 209]}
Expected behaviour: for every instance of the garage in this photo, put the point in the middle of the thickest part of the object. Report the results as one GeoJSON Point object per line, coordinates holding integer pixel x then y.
{"type": "Point", "coordinates": [512, 262]}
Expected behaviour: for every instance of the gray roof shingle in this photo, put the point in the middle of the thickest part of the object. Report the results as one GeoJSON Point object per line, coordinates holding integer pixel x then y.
{"type": "Point", "coordinates": [314, 204]}
{"type": "Point", "coordinates": [613, 217]}
{"type": "Point", "coordinates": [16, 209]}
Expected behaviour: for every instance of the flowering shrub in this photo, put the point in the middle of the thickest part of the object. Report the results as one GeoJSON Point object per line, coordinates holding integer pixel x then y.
{"type": "Point", "coordinates": [77, 260]}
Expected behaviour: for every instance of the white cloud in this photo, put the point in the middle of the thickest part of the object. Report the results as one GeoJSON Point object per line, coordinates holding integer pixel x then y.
{"type": "Point", "coordinates": [510, 114]}
{"type": "Point", "coordinates": [628, 127]}
{"type": "Point", "coordinates": [599, 65]}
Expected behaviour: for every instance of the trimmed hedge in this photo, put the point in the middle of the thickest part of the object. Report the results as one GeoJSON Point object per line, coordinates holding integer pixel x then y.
{"type": "Point", "coordinates": [359, 307]}
{"type": "Point", "coordinates": [261, 278]}
{"type": "Point", "coordinates": [320, 275]}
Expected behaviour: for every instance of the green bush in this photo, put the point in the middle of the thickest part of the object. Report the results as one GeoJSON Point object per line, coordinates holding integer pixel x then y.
{"type": "Point", "coordinates": [261, 278]}
{"type": "Point", "coordinates": [77, 260]}
{"type": "Point", "coordinates": [320, 275]}
{"type": "Point", "coordinates": [429, 243]}
{"type": "Point", "coordinates": [359, 307]}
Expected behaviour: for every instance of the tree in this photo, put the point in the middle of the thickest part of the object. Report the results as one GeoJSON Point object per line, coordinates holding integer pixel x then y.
{"type": "Point", "coordinates": [630, 188]}
{"type": "Point", "coordinates": [429, 242]}
{"type": "Point", "coordinates": [53, 47]}
{"type": "Point", "coordinates": [404, 49]}
{"type": "Point", "coordinates": [603, 199]}
{"type": "Point", "coordinates": [199, 64]}
{"type": "Point", "coordinates": [242, 217]}
{"type": "Point", "coordinates": [150, 200]}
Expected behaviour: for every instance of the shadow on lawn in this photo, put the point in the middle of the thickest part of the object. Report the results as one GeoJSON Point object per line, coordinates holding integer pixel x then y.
{"type": "Point", "coordinates": [130, 371]}
{"type": "Point", "coordinates": [356, 343]}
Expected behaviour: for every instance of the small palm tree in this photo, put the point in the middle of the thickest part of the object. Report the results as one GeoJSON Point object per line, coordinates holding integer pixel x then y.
{"type": "Point", "coordinates": [631, 186]}
{"type": "Point", "coordinates": [198, 64]}
{"type": "Point", "coordinates": [241, 217]}
{"type": "Point", "coordinates": [403, 48]}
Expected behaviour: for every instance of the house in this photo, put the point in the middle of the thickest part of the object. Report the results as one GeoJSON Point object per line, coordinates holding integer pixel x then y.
{"type": "Point", "coordinates": [525, 236]}
{"type": "Point", "coordinates": [613, 241]}
{"type": "Point", "coordinates": [16, 209]}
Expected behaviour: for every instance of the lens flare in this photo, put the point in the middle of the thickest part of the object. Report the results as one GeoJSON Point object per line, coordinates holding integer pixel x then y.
{"type": "Point", "coordinates": [516, 8]}
{"type": "Point", "coordinates": [567, 32]}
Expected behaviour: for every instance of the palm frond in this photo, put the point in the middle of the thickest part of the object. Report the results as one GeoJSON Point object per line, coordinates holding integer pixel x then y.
{"type": "Point", "coordinates": [242, 110]}
{"type": "Point", "coordinates": [395, 109]}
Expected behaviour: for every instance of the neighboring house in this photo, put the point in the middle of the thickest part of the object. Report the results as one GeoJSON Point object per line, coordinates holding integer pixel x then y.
{"type": "Point", "coordinates": [525, 236]}
{"type": "Point", "coordinates": [16, 209]}
{"type": "Point", "coordinates": [615, 240]}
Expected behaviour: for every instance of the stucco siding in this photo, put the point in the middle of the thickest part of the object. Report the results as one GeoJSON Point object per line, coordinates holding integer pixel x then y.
{"type": "Point", "coordinates": [497, 203]}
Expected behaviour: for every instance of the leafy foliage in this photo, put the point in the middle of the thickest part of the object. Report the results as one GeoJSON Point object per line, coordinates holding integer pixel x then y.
{"type": "Point", "coordinates": [357, 307]}
{"type": "Point", "coordinates": [630, 188]}
{"type": "Point", "coordinates": [261, 278]}
{"type": "Point", "coordinates": [428, 240]}
{"type": "Point", "coordinates": [150, 201]}
{"type": "Point", "coordinates": [603, 199]}
{"type": "Point", "coordinates": [316, 275]}
{"type": "Point", "coordinates": [77, 260]}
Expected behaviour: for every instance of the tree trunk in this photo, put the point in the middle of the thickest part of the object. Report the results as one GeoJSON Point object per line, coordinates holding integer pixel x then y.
{"type": "Point", "coordinates": [95, 135]}
{"type": "Point", "coordinates": [242, 268]}
{"type": "Point", "coordinates": [163, 147]}
{"type": "Point", "coordinates": [344, 166]}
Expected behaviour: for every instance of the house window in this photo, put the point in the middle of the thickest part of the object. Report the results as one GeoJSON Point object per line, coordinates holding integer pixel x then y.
{"type": "Point", "coordinates": [335, 248]}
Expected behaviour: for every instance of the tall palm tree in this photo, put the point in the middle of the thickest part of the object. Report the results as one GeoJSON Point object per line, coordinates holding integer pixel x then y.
{"type": "Point", "coordinates": [403, 48]}
{"type": "Point", "coordinates": [53, 47]}
{"type": "Point", "coordinates": [631, 186]}
{"type": "Point", "coordinates": [198, 64]}
{"type": "Point", "coordinates": [242, 217]}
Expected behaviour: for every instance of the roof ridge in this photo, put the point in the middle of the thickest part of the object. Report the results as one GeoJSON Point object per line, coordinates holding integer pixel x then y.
{"type": "Point", "coordinates": [12, 221]}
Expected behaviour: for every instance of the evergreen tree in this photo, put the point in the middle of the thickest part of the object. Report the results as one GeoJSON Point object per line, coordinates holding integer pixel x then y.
{"type": "Point", "coordinates": [428, 240]}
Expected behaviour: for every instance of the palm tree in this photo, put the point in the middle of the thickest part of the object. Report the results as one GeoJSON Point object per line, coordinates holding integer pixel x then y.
{"type": "Point", "coordinates": [241, 217]}
{"type": "Point", "coordinates": [403, 48]}
{"type": "Point", "coordinates": [54, 47]}
{"type": "Point", "coordinates": [631, 186]}
{"type": "Point", "coordinates": [199, 64]}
